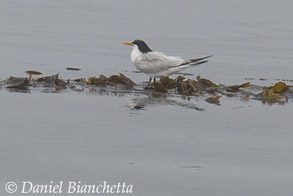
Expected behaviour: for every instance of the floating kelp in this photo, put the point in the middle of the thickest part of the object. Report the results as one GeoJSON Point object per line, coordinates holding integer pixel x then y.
{"type": "Point", "coordinates": [157, 87]}
{"type": "Point", "coordinates": [100, 81]}
{"type": "Point", "coordinates": [180, 88]}
{"type": "Point", "coordinates": [113, 80]}
{"type": "Point", "coordinates": [268, 96]}
{"type": "Point", "coordinates": [205, 82]}
{"type": "Point", "coordinates": [52, 81]}
{"type": "Point", "coordinates": [184, 88]}
{"type": "Point", "coordinates": [195, 87]}
{"type": "Point", "coordinates": [73, 68]}
{"type": "Point", "coordinates": [214, 100]}
{"type": "Point", "coordinates": [80, 80]}
{"type": "Point", "coordinates": [17, 83]}
{"type": "Point", "coordinates": [121, 79]}
{"type": "Point", "coordinates": [276, 93]}
{"type": "Point", "coordinates": [236, 88]}
{"type": "Point", "coordinates": [168, 82]}
{"type": "Point", "coordinates": [32, 72]}
{"type": "Point", "coordinates": [280, 87]}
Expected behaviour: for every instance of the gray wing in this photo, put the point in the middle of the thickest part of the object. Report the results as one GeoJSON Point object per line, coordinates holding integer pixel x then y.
{"type": "Point", "coordinates": [154, 62]}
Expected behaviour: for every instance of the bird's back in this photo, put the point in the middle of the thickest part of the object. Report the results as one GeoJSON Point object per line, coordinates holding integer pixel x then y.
{"type": "Point", "coordinates": [154, 63]}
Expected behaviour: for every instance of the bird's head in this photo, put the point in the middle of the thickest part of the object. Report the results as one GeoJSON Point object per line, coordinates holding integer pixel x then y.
{"type": "Point", "coordinates": [142, 46]}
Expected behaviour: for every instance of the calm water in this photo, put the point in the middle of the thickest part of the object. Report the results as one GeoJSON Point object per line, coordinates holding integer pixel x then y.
{"type": "Point", "coordinates": [239, 148]}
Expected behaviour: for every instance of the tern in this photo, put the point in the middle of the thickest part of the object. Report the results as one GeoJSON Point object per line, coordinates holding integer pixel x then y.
{"type": "Point", "coordinates": [157, 64]}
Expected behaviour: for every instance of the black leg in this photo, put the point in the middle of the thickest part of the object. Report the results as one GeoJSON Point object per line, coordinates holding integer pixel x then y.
{"type": "Point", "coordinates": [154, 79]}
{"type": "Point", "coordinates": [150, 81]}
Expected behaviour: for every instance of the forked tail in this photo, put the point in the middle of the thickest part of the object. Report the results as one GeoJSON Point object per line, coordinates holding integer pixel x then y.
{"type": "Point", "coordinates": [196, 61]}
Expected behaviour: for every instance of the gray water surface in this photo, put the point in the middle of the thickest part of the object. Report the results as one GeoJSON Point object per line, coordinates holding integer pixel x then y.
{"type": "Point", "coordinates": [238, 148]}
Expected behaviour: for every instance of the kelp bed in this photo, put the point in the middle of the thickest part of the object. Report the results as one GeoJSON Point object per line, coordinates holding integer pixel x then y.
{"type": "Point", "coordinates": [201, 88]}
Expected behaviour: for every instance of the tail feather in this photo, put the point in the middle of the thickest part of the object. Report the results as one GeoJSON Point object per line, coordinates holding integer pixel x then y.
{"type": "Point", "coordinates": [186, 64]}
{"type": "Point", "coordinates": [196, 61]}
{"type": "Point", "coordinates": [199, 59]}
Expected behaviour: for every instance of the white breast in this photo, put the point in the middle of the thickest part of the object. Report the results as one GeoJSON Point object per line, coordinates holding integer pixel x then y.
{"type": "Point", "coordinates": [135, 54]}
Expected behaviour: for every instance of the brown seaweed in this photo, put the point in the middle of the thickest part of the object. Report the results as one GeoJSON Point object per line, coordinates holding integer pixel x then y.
{"type": "Point", "coordinates": [113, 80]}
{"type": "Point", "coordinates": [236, 88]}
{"type": "Point", "coordinates": [280, 87]}
{"type": "Point", "coordinates": [32, 72]}
{"type": "Point", "coordinates": [202, 88]}
{"type": "Point", "coordinates": [214, 100]}
{"type": "Point", "coordinates": [17, 83]}
{"type": "Point", "coordinates": [73, 68]}
{"type": "Point", "coordinates": [157, 87]}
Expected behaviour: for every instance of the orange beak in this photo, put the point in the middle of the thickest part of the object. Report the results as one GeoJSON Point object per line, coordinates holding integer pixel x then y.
{"type": "Point", "coordinates": [127, 43]}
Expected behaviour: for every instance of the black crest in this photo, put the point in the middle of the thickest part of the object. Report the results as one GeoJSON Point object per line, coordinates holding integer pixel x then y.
{"type": "Point", "coordinates": [142, 46]}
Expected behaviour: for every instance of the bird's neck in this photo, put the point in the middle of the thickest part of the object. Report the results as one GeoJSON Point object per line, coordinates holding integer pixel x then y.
{"type": "Point", "coordinates": [135, 53]}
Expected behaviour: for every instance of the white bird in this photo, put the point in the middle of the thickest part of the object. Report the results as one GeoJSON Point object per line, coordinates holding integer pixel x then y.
{"type": "Point", "coordinates": [156, 64]}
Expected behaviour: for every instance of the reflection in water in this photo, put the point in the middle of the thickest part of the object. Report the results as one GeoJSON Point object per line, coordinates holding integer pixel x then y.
{"type": "Point", "coordinates": [159, 99]}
